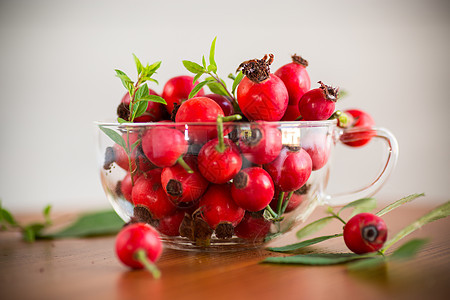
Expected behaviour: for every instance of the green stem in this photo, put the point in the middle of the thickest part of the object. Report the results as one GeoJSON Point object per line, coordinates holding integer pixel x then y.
{"type": "Point", "coordinates": [274, 214]}
{"type": "Point", "coordinates": [285, 204]}
{"type": "Point", "coordinates": [181, 161]}
{"type": "Point", "coordinates": [141, 256]}
{"type": "Point", "coordinates": [337, 217]}
{"type": "Point", "coordinates": [233, 100]}
{"type": "Point", "coordinates": [220, 145]}
{"type": "Point", "coordinates": [280, 202]}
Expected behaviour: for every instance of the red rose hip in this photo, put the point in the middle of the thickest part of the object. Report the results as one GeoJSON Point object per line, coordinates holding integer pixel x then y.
{"type": "Point", "coordinates": [262, 143]}
{"type": "Point", "coordinates": [318, 104]}
{"type": "Point", "coordinates": [365, 233]}
{"type": "Point", "coordinates": [177, 90]}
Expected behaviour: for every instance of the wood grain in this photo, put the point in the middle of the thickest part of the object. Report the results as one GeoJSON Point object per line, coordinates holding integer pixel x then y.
{"type": "Point", "coordinates": [88, 269]}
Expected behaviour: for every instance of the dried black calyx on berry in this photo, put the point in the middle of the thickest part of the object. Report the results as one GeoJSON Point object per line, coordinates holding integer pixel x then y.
{"type": "Point", "coordinates": [224, 230]}
{"type": "Point", "coordinates": [370, 233]}
{"type": "Point", "coordinates": [293, 148]}
{"type": "Point", "coordinates": [330, 92]}
{"type": "Point", "coordinates": [123, 111]}
{"type": "Point", "coordinates": [142, 214]}
{"type": "Point", "coordinates": [240, 181]}
{"type": "Point", "coordinates": [303, 190]}
{"type": "Point", "coordinates": [196, 229]}
{"type": "Point", "coordinates": [257, 70]}
{"type": "Point", "coordinates": [299, 60]}
{"type": "Point", "coordinates": [174, 188]}
{"type": "Point", "coordinates": [176, 106]}
{"type": "Point", "coordinates": [110, 157]}
{"type": "Point", "coordinates": [253, 137]}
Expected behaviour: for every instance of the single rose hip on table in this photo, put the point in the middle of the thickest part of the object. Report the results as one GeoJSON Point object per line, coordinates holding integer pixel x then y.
{"type": "Point", "coordinates": [365, 233]}
{"type": "Point", "coordinates": [139, 246]}
{"type": "Point", "coordinates": [360, 125]}
{"type": "Point", "coordinates": [155, 111]}
{"type": "Point", "coordinates": [318, 104]}
{"type": "Point", "coordinates": [177, 90]}
{"type": "Point", "coordinates": [261, 95]}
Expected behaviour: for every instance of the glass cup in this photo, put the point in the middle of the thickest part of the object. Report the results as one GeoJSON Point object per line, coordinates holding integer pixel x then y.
{"type": "Point", "coordinates": [143, 170]}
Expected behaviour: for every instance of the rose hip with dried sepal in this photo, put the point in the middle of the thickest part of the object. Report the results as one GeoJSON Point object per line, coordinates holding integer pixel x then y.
{"type": "Point", "coordinates": [291, 169]}
{"type": "Point", "coordinates": [262, 143]}
{"type": "Point", "coordinates": [295, 78]}
{"type": "Point", "coordinates": [318, 104]}
{"type": "Point", "coordinates": [252, 189]}
{"type": "Point", "coordinates": [138, 246]}
{"type": "Point", "coordinates": [261, 95]}
{"type": "Point", "coordinates": [365, 233]}
{"type": "Point", "coordinates": [177, 90]}
{"type": "Point", "coordinates": [155, 110]}
{"type": "Point", "coordinates": [253, 227]}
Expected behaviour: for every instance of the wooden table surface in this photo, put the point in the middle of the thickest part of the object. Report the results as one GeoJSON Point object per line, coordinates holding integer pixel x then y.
{"type": "Point", "coordinates": [88, 269]}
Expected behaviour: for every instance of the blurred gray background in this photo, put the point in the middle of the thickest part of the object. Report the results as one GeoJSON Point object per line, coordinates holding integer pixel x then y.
{"type": "Point", "coordinates": [57, 76]}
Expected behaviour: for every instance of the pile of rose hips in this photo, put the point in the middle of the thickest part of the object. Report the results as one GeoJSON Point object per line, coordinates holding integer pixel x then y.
{"type": "Point", "coordinates": [217, 182]}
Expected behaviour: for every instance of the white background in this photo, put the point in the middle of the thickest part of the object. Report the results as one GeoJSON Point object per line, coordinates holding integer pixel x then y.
{"type": "Point", "coordinates": [57, 76]}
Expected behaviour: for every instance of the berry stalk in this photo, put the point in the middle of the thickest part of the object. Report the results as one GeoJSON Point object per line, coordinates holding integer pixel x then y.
{"type": "Point", "coordinates": [141, 256]}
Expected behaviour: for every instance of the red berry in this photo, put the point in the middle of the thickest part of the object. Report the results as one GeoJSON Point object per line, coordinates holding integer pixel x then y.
{"type": "Point", "coordinates": [219, 166]}
{"type": "Point", "coordinates": [252, 227]}
{"type": "Point", "coordinates": [261, 95]}
{"type": "Point", "coordinates": [261, 144]}
{"type": "Point", "coordinates": [177, 89]}
{"type": "Point", "coordinates": [170, 225]}
{"type": "Point", "coordinates": [291, 114]}
{"type": "Point", "coordinates": [291, 169]}
{"type": "Point", "coordinates": [164, 146]}
{"type": "Point", "coordinates": [218, 206]}
{"type": "Point", "coordinates": [365, 233]}
{"type": "Point", "coordinates": [224, 103]}
{"type": "Point", "coordinates": [318, 104]}
{"type": "Point", "coordinates": [252, 189]}
{"type": "Point", "coordinates": [126, 186]}
{"type": "Point", "coordinates": [318, 147]}
{"type": "Point", "coordinates": [148, 192]}
{"type": "Point", "coordinates": [361, 120]}
{"type": "Point", "coordinates": [154, 112]}
{"type": "Point", "coordinates": [295, 78]}
{"type": "Point", "coordinates": [138, 245]}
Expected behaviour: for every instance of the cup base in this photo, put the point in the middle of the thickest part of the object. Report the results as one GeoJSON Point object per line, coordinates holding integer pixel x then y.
{"type": "Point", "coordinates": [216, 245]}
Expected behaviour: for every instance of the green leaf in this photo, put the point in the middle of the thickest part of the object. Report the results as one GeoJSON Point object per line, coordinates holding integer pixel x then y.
{"type": "Point", "coordinates": [32, 231]}
{"type": "Point", "coordinates": [121, 121]}
{"type": "Point", "coordinates": [193, 67]}
{"type": "Point", "coordinates": [368, 263]}
{"type": "Point", "coordinates": [231, 76]}
{"type": "Point", "coordinates": [236, 81]}
{"type": "Point", "coordinates": [217, 88]}
{"type": "Point", "coordinates": [204, 62]}
{"type": "Point", "coordinates": [197, 77]}
{"type": "Point", "coordinates": [150, 79]}
{"type": "Point", "coordinates": [439, 212]}
{"type": "Point", "coordinates": [92, 224]}
{"type": "Point", "coordinates": [361, 205]}
{"type": "Point", "coordinates": [196, 89]}
{"type": "Point", "coordinates": [126, 81]}
{"type": "Point", "coordinates": [409, 249]}
{"type": "Point", "coordinates": [150, 70]}
{"type": "Point", "coordinates": [296, 246]}
{"type": "Point", "coordinates": [142, 91]}
{"type": "Point", "coordinates": [8, 217]}
{"type": "Point", "coordinates": [212, 51]}
{"type": "Point", "coordinates": [212, 68]}
{"type": "Point", "coordinates": [46, 213]}
{"type": "Point", "coordinates": [135, 144]}
{"type": "Point", "coordinates": [398, 203]}
{"type": "Point", "coordinates": [139, 109]}
{"type": "Point", "coordinates": [313, 259]}
{"type": "Point", "coordinates": [139, 66]}
{"type": "Point", "coordinates": [154, 98]}
{"type": "Point", "coordinates": [313, 227]}
{"type": "Point", "coordinates": [117, 138]}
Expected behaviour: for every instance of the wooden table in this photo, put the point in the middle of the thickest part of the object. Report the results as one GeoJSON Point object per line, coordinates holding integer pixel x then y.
{"type": "Point", "coordinates": [88, 269]}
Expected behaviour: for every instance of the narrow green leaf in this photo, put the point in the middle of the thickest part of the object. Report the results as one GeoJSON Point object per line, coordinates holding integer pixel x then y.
{"type": "Point", "coordinates": [121, 121]}
{"type": "Point", "coordinates": [196, 89]}
{"type": "Point", "coordinates": [116, 137]}
{"type": "Point", "coordinates": [142, 91]}
{"type": "Point", "coordinates": [313, 227]}
{"type": "Point", "coordinates": [126, 81]}
{"type": "Point", "coordinates": [154, 98]}
{"type": "Point", "coordinates": [193, 67]}
{"type": "Point", "coordinates": [409, 249]}
{"type": "Point", "coordinates": [135, 144]}
{"type": "Point", "coordinates": [29, 235]}
{"type": "Point", "coordinates": [368, 263]}
{"type": "Point", "coordinates": [296, 246]}
{"type": "Point", "coordinates": [212, 68]}
{"type": "Point", "coordinates": [398, 203]}
{"type": "Point", "coordinates": [197, 77]}
{"type": "Point", "coordinates": [46, 213]}
{"type": "Point", "coordinates": [139, 66]}
{"type": "Point", "coordinates": [361, 205]}
{"type": "Point", "coordinates": [312, 259]}
{"type": "Point", "coordinates": [8, 217]}
{"type": "Point", "coordinates": [139, 109]}
{"type": "Point", "coordinates": [212, 54]}
{"type": "Point", "coordinates": [150, 79]}
{"type": "Point", "coordinates": [204, 62]}
{"type": "Point", "coordinates": [217, 88]}
{"type": "Point", "coordinates": [236, 81]}
{"type": "Point", "coordinates": [439, 212]}
{"type": "Point", "coordinates": [150, 70]}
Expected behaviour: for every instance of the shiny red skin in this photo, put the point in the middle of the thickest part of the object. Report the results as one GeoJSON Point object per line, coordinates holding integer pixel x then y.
{"type": "Point", "coordinates": [294, 202]}
{"type": "Point", "coordinates": [354, 233]}
{"type": "Point", "coordinates": [361, 119]}
{"type": "Point", "coordinates": [148, 192]}
{"type": "Point", "coordinates": [163, 146]}
{"type": "Point", "coordinates": [126, 186]}
{"type": "Point", "coordinates": [267, 147]}
{"type": "Point", "coordinates": [257, 192]}
{"type": "Point", "coordinates": [121, 157]}
{"type": "Point", "coordinates": [193, 185]}
{"type": "Point", "coordinates": [265, 101]}
{"type": "Point", "coordinates": [253, 228]}
{"type": "Point", "coordinates": [170, 225]}
{"type": "Point", "coordinates": [224, 103]}
{"type": "Point", "coordinates": [154, 112]}
{"type": "Point", "coordinates": [314, 106]}
{"type": "Point", "coordinates": [219, 167]}
{"type": "Point", "coordinates": [177, 89]}
{"type": "Point", "coordinates": [218, 206]}
{"type": "Point", "coordinates": [296, 79]}
{"type": "Point", "coordinates": [290, 170]}
{"type": "Point", "coordinates": [318, 148]}
{"type": "Point", "coordinates": [200, 109]}
{"type": "Point", "coordinates": [135, 237]}
{"type": "Point", "coordinates": [291, 114]}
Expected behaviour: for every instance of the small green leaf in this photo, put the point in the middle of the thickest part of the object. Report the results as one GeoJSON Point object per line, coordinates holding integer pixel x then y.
{"type": "Point", "coordinates": [236, 81]}
{"type": "Point", "coordinates": [139, 109]}
{"type": "Point", "coordinates": [409, 249]}
{"type": "Point", "coordinates": [150, 70]}
{"type": "Point", "coordinates": [313, 227]}
{"type": "Point", "coordinates": [196, 89]}
{"type": "Point", "coordinates": [303, 244]}
{"type": "Point", "coordinates": [361, 205]}
{"type": "Point", "coordinates": [398, 203]}
{"type": "Point", "coordinates": [368, 263]}
{"type": "Point", "coordinates": [117, 138]}
{"type": "Point", "coordinates": [46, 213]}
{"type": "Point", "coordinates": [197, 77]}
{"type": "Point", "coordinates": [212, 51]}
{"type": "Point", "coordinates": [154, 98]}
{"type": "Point", "coordinates": [8, 217]}
{"type": "Point", "coordinates": [316, 259]}
{"type": "Point", "coordinates": [139, 66]}
{"type": "Point", "coordinates": [217, 88]}
{"type": "Point", "coordinates": [150, 79]}
{"type": "Point", "coordinates": [231, 76]}
{"type": "Point", "coordinates": [135, 144]}
{"type": "Point", "coordinates": [142, 91]}
{"type": "Point", "coordinates": [193, 67]}
{"type": "Point", "coordinates": [121, 121]}
{"type": "Point", "coordinates": [204, 62]}
{"type": "Point", "coordinates": [212, 68]}
{"type": "Point", "coordinates": [29, 235]}
{"type": "Point", "coordinates": [126, 81]}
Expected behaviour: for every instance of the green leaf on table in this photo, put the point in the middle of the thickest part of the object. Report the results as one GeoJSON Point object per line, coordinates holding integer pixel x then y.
{"type": "Point", "coordinates": [31, 231]}
{"type": "Point", "coordinates": [368, 263]}
{"type": "Point", "coordinates": [116, 137]}
{"type": "Point", "coordinates": [439, 212]}
{"type": "Point", "coordinates": [398, 203]}
{"type": "Point", "coordinates": [6, 216]}
{"type": "Point", "coordinates": [360, 206]}
{"type": "Point", "coordinates": [296, 246]}
{"type": "Point", "coordinates": [313, 227]}
{"type": "Point", "coordinates": [409, 249]}
{"type": "Point", "coordinates": [193, 67]}
{"type": "Point", "coordinates": [46, 213]}
{"type": "Point", "coordinates": [212, 51]}
{"type": "Point", "coordinates": [236, 81]}
{"type": "Point", "coordinates": [154, 98]}
{"type": "Point", "coordinates": [92, 224]}
{"type": "Point", "coordinates": [196, 89]}
{"type": "Point", "coordinates": [138, 63]}
{"type": "Point", "coordinates": [314, 259]}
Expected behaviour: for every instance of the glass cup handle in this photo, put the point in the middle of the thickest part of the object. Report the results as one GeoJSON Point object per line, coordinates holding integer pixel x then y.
{"type": "Point", "coordinates": [355, 134]}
